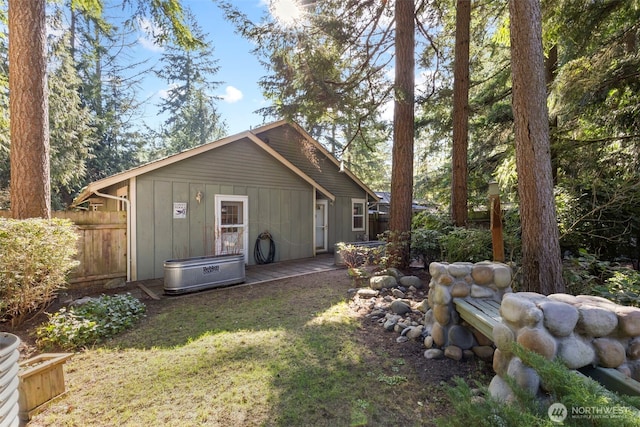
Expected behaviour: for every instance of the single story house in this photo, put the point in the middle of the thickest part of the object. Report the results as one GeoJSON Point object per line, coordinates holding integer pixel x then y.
{"type": "Point", "coordinates": [220, 197]}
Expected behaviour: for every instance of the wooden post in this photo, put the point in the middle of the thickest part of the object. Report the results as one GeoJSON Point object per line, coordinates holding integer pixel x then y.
{"type": "Point", "coordinates": [496, 222]}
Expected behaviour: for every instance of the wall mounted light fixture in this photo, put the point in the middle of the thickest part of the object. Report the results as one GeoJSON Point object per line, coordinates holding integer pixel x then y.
{"type": "Point", "coordinates": [199, 196]}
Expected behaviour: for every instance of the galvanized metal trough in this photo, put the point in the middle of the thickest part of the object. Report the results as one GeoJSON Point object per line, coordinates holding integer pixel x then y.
{"type": "Point", "coordinates": [199, 273]}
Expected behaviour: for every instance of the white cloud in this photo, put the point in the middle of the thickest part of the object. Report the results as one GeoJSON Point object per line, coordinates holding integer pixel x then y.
{"type": "Point", "coordinates": [149, 32]}
{"type": "Point", "coordinates": [164, 93]}
{"type": "Point", "coordinates": [232, 94]}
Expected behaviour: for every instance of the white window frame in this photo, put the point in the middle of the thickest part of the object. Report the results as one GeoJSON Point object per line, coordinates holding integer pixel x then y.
{"type": "Point", "coordinates": [355, 202]}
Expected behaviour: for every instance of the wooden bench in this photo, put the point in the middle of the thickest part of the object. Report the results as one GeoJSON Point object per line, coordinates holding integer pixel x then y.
{"type": "Point", "coordinates": [612, 379]}
{"type": "Point", "coordinates": [484, 313]}
{"type": "Point", "coordinates": [481, 313]}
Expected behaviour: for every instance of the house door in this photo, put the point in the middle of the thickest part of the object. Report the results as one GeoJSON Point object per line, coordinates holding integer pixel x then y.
{"type": "Point", "coordinates": [322, 228]}
{"type": "Point", "coordinates": [232, 225]}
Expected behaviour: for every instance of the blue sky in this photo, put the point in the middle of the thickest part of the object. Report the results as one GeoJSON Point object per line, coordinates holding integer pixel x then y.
{"type": "Point", "coordinates": [239, 69]}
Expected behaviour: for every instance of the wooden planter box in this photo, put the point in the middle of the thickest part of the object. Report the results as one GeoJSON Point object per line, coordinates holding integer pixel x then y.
{"type": "Point", "coordinates": [41, 379]}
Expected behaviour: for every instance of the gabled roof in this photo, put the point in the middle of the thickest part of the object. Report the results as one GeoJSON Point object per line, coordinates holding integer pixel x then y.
{"type": "Point", "coordinates": [385, 199]}
{"type": "Point", "coordinates": [101, 184]}
{"type": "Point", "coordinates": [320, 148]}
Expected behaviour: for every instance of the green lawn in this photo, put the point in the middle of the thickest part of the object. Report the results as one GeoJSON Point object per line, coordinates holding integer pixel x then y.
{"type": "Point", "coordinates": [287, 353]}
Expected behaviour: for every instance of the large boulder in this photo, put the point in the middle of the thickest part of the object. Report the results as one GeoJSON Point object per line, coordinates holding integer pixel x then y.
{"type": "Point", "coordinates": [382, 282]}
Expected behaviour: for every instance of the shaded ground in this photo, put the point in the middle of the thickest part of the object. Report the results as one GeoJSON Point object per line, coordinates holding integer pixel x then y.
{"type": "Point", "coordinates": [431, 372]}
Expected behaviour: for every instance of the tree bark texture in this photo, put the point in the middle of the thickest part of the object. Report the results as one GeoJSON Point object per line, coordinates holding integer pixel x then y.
{"type": "Point", "coordinates": [403, 133]}
{"type": "Point", "coordinates": [29, 116]}
{"type": "Point", "coordinates": [541, 262]}
{"type": "Point", "coordinates": [551, 70]}
{"type": "Point", "coordinates": [459, 209]}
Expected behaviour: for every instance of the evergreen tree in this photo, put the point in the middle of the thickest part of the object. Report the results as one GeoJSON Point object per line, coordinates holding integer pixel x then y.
{"type": "Point", "coordinates": [190, 103]}
{"type": "Point", "coordinates": [30, 183]}
{"type": "Point", "coordinates": [595, 97]}
{"type": "Point", "coordinates": [400, 210]}
{"type": "Point", "coordinates": [541, 262]}
{"type": "Point", "coordinates": [30, 180]}
{"type": "Point", "coordinates": [108, 94]}
{"type": "Point", "coordinates": [335, 58]}
{"type": "Point", "coordinates": [459, 207]}
{"type": "Point", "coordinates": [70, 122]}
{"type": "Point", "coordinates": [4, 117]}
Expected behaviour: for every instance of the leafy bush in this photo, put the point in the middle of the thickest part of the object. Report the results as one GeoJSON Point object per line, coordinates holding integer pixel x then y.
{"type": "Point", "coordinates": [356, 256]}
{"type": "Point", "coordinates": [467, 244]}
{"type": "Point", "coordinates": [396, 256]}
{"type": "Point", "coordinates": [622, 288]}
{"type": "Point", "coordinates": [86, 324]}
{"type": "Point", "coordinates": [564, 386]}
{"type": "Point", "coordinates": [583, 273]}
{"type": "Point", "coordinates": [425, 245]}
{"type": "Point", "coordinates": [432, 221]}
{"type": "Point", "coordinates": [586, 274]}
{"type": "Point", "coordinates": [433, 238]}
{"type": "Point", "coordinates": [35, 257]}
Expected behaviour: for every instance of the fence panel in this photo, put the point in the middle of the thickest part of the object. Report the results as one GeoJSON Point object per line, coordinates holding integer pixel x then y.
{"type": "Point", "coordinates": [102, 245]}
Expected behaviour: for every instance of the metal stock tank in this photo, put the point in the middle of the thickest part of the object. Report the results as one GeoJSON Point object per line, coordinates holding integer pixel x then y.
{"type": "Point", "coordinates": [198, 273]}
{"type": "Point", "coordinates": [9, 380]}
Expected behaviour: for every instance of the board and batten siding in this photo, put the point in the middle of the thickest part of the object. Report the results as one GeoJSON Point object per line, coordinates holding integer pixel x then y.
{"type": "Point", "coordinates": [305, 156]}
{"type": "Point", "coordinates": [279, 202]}
{"type": "Point", "coordinates": [302, 153]}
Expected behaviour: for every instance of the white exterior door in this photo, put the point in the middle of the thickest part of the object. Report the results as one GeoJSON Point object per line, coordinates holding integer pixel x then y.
{"type": "Point", "coordinates": [322, 228]}
{"type": "Point", "coordinates": [232, 225]}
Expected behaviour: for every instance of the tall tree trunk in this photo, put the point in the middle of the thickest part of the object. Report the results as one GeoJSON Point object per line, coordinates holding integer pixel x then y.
{"type": "Point", "coordinates": [29, 117]}
{"type": "Point", "coordinates": [459, 210]}
{"type": "Point", "coordinates": [551, 71]}
{"type": "Point", "coordinates": [541, 263]}
{"type": "Point", "coordinates": [403, 132]}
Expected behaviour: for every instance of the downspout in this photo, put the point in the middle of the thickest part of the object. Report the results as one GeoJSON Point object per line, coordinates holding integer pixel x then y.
{"type": "Point", "coordinates": [126, 202]}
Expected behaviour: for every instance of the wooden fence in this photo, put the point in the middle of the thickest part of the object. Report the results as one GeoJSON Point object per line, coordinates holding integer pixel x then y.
{"type": "Point", "coordinates": [102, 245]}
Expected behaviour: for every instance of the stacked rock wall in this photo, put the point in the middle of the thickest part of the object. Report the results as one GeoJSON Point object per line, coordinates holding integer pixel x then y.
{"type": "Point", "coordinates": [581, 330]}
{"type": "Point", "coordinates": [446, 333]}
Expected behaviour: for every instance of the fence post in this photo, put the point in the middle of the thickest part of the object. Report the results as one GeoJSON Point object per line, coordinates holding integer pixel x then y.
{"type": "Point", "coordinates": [496, 221]}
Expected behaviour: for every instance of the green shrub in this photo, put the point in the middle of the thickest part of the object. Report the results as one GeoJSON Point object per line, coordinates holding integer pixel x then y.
{"type": "Point", "coordinates": [355, 256]}
{"type": "Point", "coordinates": [622, 288]}
{"type": "Point", "coordinates": [563, 386]}
{"type": "Point", "coordinates": [586, 274]}
{"type": "Point", "coordinates": [35, 257]}
{"type": "Point", "coordinates": [583, 273]}
{"type": "Point", "coordinates": [425, 245]}
{"type": "Point", "coordinates": [397, 249]}
{"type": "Point", "coordinates": [86, 324]}
{"type": "Point", "coordinates": [467, 244]}
{"type": "Point", "coordinates": [426, 230]}
{"type": "Point", "coordinates": [432, 221]}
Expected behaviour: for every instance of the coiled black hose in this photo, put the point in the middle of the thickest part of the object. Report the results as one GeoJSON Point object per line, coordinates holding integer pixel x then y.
{"type": "Point", "coordinates": [257, 250]}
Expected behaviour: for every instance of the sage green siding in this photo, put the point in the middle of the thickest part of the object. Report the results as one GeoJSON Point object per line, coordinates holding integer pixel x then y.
{"type": "Point", "coordinates": [279, 201]}
{"type": "Point", "coordinates": [313, 162]}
